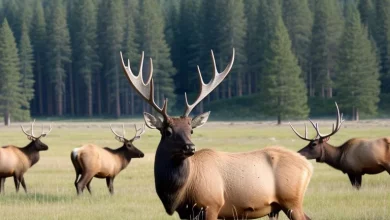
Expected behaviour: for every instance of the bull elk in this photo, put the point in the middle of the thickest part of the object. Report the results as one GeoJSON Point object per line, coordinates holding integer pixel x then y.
{"type": "Point", "coordinates": [355, 157]}
{"type": "Point", "coordinates": [93, 161]}
{"type": "Point", "coordinates": [218, 184]}
{"type": "Point", "coordinates": [15, 161]}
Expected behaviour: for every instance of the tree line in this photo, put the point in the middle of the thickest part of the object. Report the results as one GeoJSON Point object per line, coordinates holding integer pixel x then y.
{"type": "Point", "coordinates": [61, 57]}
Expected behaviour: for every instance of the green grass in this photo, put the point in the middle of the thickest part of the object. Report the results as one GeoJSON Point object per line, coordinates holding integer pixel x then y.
{"type": "Point", "coordinates": [52, 194]}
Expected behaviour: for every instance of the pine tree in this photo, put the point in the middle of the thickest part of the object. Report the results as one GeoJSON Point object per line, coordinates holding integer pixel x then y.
{"type": "Point", "coordinates": [231, 33]}
{"type": "Point", "coordinates": [26, 65]}
{"type": "Point", "coordinates": [357, 78]}
{"type": "Point", "coordinates": [11, 99]}
{"type": "Point", "coordinates": [327, 29]}
{"type": "Point", "coordinates": [58, 52]}
{"type": "Point", "coordinates": [38, 40]}
{"type": "Point", "coordinates": [86, 60]}
{"type": "Point", "coordinates": [382, 38]}
{"type": "Point", "coordinates": [299, 21]}
{"type": "Point", "coordinates": [283, 90]}
{"type": "Point", "coordinates": [155, 46]}
{"type": "Point", "coordinates": [131, 52]}
{"type": "Point", "coordinates": [111, 31]}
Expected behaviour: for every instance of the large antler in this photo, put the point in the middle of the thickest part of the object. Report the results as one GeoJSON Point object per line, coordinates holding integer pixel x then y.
{"type": "Point", "coordinates": [122, 138]}
{"type": "Point", "coordinates": [146, 90]}
{"type": "Point", "coordinates": [31, 135]}
{"type": "Point", "coordinates": [205, 89]}
{"type": "Point", "coordinates": [336, 128]}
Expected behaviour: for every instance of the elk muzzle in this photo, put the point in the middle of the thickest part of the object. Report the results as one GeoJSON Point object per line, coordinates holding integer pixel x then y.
{"type": "Point", "coordinates": [189, 150]}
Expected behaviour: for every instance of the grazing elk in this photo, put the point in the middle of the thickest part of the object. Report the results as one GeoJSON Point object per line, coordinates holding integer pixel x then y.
{"type": "Point", "coordinates": [15, 161]}
{"type": "Point", "coordinates": [92, 161]}
{"type": "Point", "coordinates": [355, 157]}
{"type": "Point", "coordinates": [218, 184]}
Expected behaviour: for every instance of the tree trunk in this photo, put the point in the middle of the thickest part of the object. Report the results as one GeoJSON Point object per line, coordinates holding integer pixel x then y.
{"type": "Point", "coordinates": [279, 119]}
{"type": "Point", "coordinates": [89, 98]}
{"type": "Point", "coordinates": [239, 85]}
{"type": "Point", "coordinates": [117, 95]}
{"type": "Point", "coordinates": [311, 89]}
{"type": "Point", "coordinates": [99, 95]}
{"type": "Point", "coordinates": [71, 95]}
{"type": "Point", "coordinates": [132, 102]}
{"type": "Point", "coordinates": [7, 118]}
{"type": "Point", "coordinates": [40, 98]}
{"type": "Point", "coordinates": [357, 114]}
{"type": "Point", "coordinates": [322, 91]}
{"type": "Point", "coordinates": [126, 102]}
{"type": "Point", "coordinates": [249, 83]}
{"type": "Point", "coordinates": [59, 102]}
{"type": "Point", "coordinates": [49, 101]}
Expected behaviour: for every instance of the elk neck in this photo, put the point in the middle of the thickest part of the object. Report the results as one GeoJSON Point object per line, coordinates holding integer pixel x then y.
{"type": "Point", "coordinates": [331, 155]}
{"type": "Point", "coordinates": [123, 156]}
{"type": "Point", "coordinates": [171, 175]}
{"type": "Point", "coordinates": [31, 152]}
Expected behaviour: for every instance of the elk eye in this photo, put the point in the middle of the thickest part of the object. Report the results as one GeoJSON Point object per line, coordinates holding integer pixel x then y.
{"type": "Point", "coordinates": [168, 132]}
{"type": "Point", "coordinates": [313, 144]}
{"type": "Point", "coordinates": [192, 131]}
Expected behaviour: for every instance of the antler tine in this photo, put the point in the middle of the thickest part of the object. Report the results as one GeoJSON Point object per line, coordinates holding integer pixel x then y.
{"type": "Point", "coordinates": [335, 128]}
{"type": "Point", "coordinates": [46, 133]}
{"type": "Point", "coordinates": [146, 90]}
{"type": "Point", "coordinates": [32, 128]}
{"type": "Point", "coordinates": [300, 136]}
{"type": "Point", "coordinates": [24, 131]}
{"type": "Point", "coordinates": [142, 129]}
{"type": "Point", "coordinates": [123, 130]}
{"type": "Point", "coordinates": [114, 131]}
{"type": "Point", "coordinates": [206, 89]}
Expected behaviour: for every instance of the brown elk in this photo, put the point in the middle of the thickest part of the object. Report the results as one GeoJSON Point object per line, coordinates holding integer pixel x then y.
{"type": "Point", "coordinates": [355, 157]}
{"type": "Point", "coordinates": [15, 161]}
{"type": "Point", "coordinates": [218, 184]}
{"type": "Point", "coordinates": [93, 161]}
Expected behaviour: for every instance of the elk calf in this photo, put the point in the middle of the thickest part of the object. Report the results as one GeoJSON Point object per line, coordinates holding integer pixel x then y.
{"type": "Point", "coordinates": [220, 185]}
{"type": "Point", "coordinates": [15, 161]}
{"type": "Point", "coordinates": [92, 161]}
{"type": "Point", "coordinates": [355, 157]}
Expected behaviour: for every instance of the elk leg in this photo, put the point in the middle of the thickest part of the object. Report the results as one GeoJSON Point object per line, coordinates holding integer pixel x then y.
{"type": "Point", "coordinates": [2, 181]}
{"type": "Point", "coordinates": [211, 214]}
{"type": "Point", "coordinates": [296, 214]}
{"type": "Point", "coordinates": [273, 215]}
{"type": "Point", "coordinates": [89, 187]}
{"type": "Point", "coordinates": [110, 184]}
{"type": "Point", "coordinates": [75, 181]}
{"type": "Point", "coordinates": [23, 184]}
{"type": "Point", "coordinates": [85, 178]}
{"type": "Point", "coordinates": [356, 181]}
{"type": "Point", "coordinates": [17, 183]}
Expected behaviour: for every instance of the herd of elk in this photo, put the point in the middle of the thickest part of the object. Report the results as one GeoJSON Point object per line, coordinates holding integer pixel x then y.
{"type": "Point", "coordinates": [15, 161]}
{"type": "Point", "coordinates": [92, 161]}
{"type": "Point", "coordinates": [218, 184]}
{"type": "Point", "coordinates": [355, 157]}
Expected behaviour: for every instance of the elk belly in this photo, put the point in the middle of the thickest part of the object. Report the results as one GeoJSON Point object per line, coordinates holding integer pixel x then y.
{"type": "Point", "coordinates": [249, 189]}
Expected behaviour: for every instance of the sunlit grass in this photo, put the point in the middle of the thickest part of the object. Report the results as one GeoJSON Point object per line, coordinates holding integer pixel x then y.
{"type": "Point", "coordinates": [52, 194]}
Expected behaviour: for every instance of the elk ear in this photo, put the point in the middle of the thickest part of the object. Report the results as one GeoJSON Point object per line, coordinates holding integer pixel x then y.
{"type": "Point", "coordinates": [152, 122]}
{"type": "Point", "coordinates": [200, 120]}
{"type": "Point", "coordinates": [325, 139]}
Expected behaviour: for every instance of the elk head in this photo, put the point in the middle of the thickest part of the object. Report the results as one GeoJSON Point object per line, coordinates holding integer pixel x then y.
{"type": "Point", "coordinates": [315, 148]}
{"type": "Point", "coordinates": [175, 131]}
{"type": "Point", "coordinates": [133, 152]}
{"type": "Point", "coordinates": [35, 140]}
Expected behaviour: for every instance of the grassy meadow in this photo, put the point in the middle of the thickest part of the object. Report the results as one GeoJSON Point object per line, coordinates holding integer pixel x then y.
{"type": "Point", "coordinates": [52, 194]}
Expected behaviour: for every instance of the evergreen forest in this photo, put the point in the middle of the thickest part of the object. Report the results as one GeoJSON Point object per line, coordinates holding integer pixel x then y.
{"type": "Point", "coordinates": [293, 58]}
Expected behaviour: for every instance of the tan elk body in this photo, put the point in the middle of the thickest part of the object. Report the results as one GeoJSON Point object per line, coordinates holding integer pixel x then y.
{"type": "Point", "coordinates": [210, 184]}
{"type": "Point", "coordinates": [91, 161]}
{"type": "Point", "coordinates": [15, 161]}
{"type": "Point", "coordinates": [355, 157]}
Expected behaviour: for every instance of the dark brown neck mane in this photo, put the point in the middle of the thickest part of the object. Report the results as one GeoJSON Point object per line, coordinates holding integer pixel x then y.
{"type": "Point", "coordinates": [31, 152]}
{"type": "Point", "coordinates": [331, 155]}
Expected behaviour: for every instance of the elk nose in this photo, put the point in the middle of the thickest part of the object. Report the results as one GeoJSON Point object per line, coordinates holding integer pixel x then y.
{"type": "Point", "coordinates": [141, 155]}
{"type": "Point", "coordinates": [190, 147]}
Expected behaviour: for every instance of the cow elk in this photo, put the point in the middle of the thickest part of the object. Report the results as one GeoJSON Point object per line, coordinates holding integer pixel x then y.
{"type": "Point", "coordinates": [208, 184]}
{"type": "Point", "coordinates": [15, 161]}
{"type": "Point", "coordinates": [355, 157]}
{"type": "Point", "coordinates": [93, 161]}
